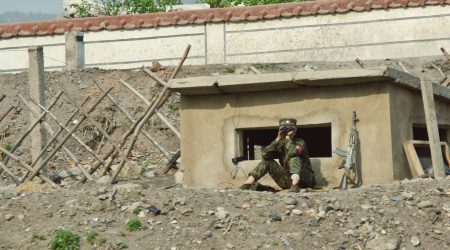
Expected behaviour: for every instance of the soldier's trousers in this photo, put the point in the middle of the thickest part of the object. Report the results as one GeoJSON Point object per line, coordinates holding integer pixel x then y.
{"type": "Point", "coordinates": [282, 176]}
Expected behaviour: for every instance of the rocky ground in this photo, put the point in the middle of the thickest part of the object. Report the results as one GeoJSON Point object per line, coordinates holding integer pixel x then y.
{"type": "Point", "coordinates": [405, 215]}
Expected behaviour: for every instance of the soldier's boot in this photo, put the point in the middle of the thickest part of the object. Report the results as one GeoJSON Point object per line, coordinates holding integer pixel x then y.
{"type": "Point", "coordinates": [246, 186]}
{"type": "Point", "coordinates": [294, 188]}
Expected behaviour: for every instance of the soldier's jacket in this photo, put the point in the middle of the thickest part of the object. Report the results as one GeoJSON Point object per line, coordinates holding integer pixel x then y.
{"type": "Point", "coordinates": [292, 153]}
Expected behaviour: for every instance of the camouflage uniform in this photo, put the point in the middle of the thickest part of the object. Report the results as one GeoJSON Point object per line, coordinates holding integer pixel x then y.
{"type": "Point", "coordinates": [294, 159]}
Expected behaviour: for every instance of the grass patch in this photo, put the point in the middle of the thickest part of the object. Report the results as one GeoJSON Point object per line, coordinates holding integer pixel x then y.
{"type": "Point", "coordinates": [230, 69]}
{"type": "Point", "coordinates": [134, 225]}
{"type": "Point", "coordinates": [37, 236]}
{"type": "Point", "coordinates": [91, 237]}
{"type": "Point", "coordinates": [65, 240]}
{"type": "Point", "coordinates": [137, 210]}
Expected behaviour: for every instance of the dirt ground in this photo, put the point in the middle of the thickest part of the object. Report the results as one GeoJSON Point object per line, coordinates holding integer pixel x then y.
{"type": "Point", "coordinates": [404, 215]}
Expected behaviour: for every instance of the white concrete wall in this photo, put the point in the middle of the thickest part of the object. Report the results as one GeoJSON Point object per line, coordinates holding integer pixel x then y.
{"type": "Point", "coordinates": [378, 34]}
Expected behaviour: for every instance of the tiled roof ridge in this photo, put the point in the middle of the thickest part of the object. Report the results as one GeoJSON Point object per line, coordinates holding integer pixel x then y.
{"type": "Point", "coordinates": [200, 16]}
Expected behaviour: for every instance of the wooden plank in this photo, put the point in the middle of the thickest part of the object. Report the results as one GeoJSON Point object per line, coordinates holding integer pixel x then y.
{"type": "Point", "coordinates": [413, 160]}
{"type": "Point", "coordinates": [432, 128]}
{"type": "Point", "coordinates": [418, 142]}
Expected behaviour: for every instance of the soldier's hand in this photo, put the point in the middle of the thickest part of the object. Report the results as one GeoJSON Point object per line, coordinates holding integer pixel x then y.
{"type": "Point", "coordinates": [281, 135]}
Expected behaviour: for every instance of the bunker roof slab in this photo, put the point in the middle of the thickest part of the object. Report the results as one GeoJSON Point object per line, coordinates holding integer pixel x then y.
{"type": "Point", "coordinates": [224, 84]}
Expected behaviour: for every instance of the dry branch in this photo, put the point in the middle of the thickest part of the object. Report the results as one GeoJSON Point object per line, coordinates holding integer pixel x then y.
{"type": "Point", "coordinates": [149, 113]}
{"type": "Point", "coordinates": [27, 167]}
{"type": "Point", "coordinates": [171, 163]}
{"type": "Point", "coordinates": [10, 174]}
{"type": "Point", "coordinates": [49, 129]}
{"type": "Point", "coordinates": [361, 64]}
{"type": "Point", "coordinates": [83, 117]}
{"type": "Point", "coordinates": [161, 116]}
{"type": "Point", "coordinates": [62, 126]}
{"type": "Point", "coordinates": [87, 116]}
{"type": "Point", "coordinates": [128, 115]}
{"type": "Point", "coordinates": [256, 71]}
{"type": "Point", "coordinates": [445, 54]}
{"type": "Point", "coordinates": [2, 96]}
{"type": "Point", "coordinates": [5, 114]}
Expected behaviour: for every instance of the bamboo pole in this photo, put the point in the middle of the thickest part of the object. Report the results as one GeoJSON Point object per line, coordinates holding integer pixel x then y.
{"type": "Point", "coordinates": [130, 117]}
{"type": "Point", "coordinates": [27, 167]}
{"type": "Point", "coordinates": [47, 159]}
{"type": "Point", "coordinates": [49, 129]}
{"type": "Point", "coordinates": [149, 113]}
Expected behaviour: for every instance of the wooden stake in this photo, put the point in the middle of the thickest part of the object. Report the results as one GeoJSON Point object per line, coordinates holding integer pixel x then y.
{"type": "Point", "coordinates": [149, 113]}
{"type": "Point", "coordinates": [28, 131]}
{"type": "Point", "coordinates": [9, 173]}
{"type": "Point", "coordinates": [445, 54]}
{"type": "Point", "coordinates": [361, 64]}
{"type": "Point", "coordinates": [47, 159]}
{"type": "Point", "coordinates": [27, 167]}
{"type": "Point", "coordinates": [130, 117]}
{"type": "Point", "coordinates": [54, 136]}
{"type": "Point", "coordinates": [87, 116]}
{"type": "Point", "coordinates": [432, 128]}
{"type": "Point", "coordinates": [62, 126]}
{"type": "Point", "coordinates": [171, 163]}
{"type": "Point", "coordinates": [163, 119]}
{"type": "Point", "coordinates": [252, 68]}
{"type": "Point", "coordinates": [403, 67]}
{"type": "Point", "coordinates": [5, 114]}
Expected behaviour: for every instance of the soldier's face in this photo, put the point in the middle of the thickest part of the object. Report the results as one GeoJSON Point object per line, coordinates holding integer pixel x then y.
{"type": "Point", "coordinates": [291, 134]}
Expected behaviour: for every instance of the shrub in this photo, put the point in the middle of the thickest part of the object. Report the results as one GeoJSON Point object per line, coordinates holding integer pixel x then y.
{"type": "Point", "coordinates": [134, 225]}
{"type": "Point", "coordinates": [65, 240]}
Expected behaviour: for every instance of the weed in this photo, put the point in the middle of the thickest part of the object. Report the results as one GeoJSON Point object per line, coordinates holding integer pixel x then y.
{"type": "Point", "coordinates": [230, 69]}
{"type": "Point", "coordinates": [174, 105]}
{"type": "Point", "coordinates": [37, 236]}
{"type": "Point", "coordinates": [65, 240]}
{"type": "Point", "coordinates": [101, 241]}
{"type": "Point", "coordinates": [123, 234]}
{"type": "Point", "coordinates": [91, 236]}
{"type": "Point", "coordinates": [137, 210]}
{"type": "Point", "coordinates": [134, 225]}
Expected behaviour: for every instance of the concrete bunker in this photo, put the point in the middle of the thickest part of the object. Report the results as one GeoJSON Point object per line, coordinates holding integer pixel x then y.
{"type": "Point", "coordinates": [229, 116]}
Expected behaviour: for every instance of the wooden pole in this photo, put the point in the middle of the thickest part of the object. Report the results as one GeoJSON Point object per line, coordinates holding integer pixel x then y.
{"type": "Point", "coordinates": [27, 167]}
{"type": "Point", "coordinates": [171, 163]}
{"type": "Point", "coordinates": [432, 128]}
{"type": "Point", "coordinates": [445, 54]}
{"type": "Point", "coordinates": [51, 132]}
{"type": "Point", "coordinates": [163, 119]}
{"type": "Point", "coordinates": [62, 126]}
{"type": "Point", "coordinates": [130, 117]}
{"type": "Point", "coordinates": [47, 159]}
{"type": "Point", "coordinates": [149, 113]}
{"type": "Point", "coordinates": [30, 129]}
{"type": "Point", "coordinates": [7, 112]}
{"type": "Point", "coordinates": [11, 175]}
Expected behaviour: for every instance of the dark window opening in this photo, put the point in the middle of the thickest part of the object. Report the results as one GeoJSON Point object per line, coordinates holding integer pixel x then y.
{"type": "Point", "coordinates": [317, 138]}
{"type": "Point", "coordinates": [420, 133]}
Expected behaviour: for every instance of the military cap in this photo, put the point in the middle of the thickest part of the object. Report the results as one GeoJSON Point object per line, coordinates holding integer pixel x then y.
{"type": "Point", "coordinates": [288, 122]}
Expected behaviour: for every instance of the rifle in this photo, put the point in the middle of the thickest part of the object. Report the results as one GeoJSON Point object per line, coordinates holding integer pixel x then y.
{"type": "Point", "coordinates": [349, 163]}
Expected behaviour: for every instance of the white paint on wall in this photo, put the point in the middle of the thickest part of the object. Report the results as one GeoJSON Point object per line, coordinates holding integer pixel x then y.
{"type": "Point", "coordinates": [377, 34]}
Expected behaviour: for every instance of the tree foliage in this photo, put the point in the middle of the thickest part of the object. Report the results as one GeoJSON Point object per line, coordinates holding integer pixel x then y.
{"type": "Point", "coordinates": [124, 7]}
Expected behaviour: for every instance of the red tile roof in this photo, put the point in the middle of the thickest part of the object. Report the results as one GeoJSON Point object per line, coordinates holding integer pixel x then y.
{"type": "Point", "coordinates": [206, 15]}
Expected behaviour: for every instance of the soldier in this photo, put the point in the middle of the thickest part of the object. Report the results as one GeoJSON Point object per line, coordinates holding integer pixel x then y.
{"type": "Point", "coordinates": [294, 171]}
